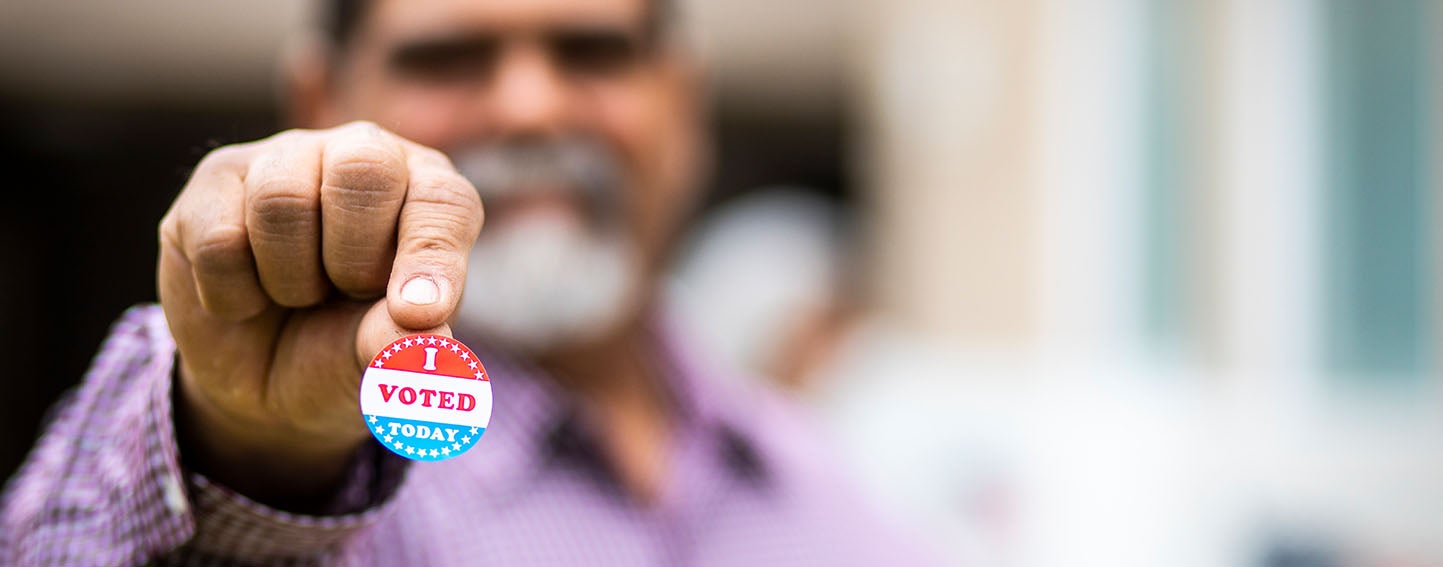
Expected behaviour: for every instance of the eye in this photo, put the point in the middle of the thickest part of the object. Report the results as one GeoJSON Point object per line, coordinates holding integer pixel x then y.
{"type": "Point", "coordinates": [445, 60]}
{"type": "Point", "coordinates": [596, 52]}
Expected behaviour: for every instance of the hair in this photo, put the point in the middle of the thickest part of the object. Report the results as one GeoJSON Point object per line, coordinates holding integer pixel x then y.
{"type": "Point", "coordinates": [341, 18]}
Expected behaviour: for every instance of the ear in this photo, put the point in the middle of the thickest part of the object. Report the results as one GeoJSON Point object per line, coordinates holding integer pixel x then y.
{"type": "Point", "coordinates": [686, 155]}
{"type": "Point", "coordinates": [689, 76]}
{"type": "Point", "coordinates": [308, 84]}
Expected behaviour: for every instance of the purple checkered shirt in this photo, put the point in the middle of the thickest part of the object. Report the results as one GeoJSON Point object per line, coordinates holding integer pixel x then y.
{"type": "Point", "coordinates": [748, 484]}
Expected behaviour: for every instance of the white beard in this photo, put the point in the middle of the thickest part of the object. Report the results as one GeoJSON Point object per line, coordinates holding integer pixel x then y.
{"type": "Point", "coordinates": [543, 280]}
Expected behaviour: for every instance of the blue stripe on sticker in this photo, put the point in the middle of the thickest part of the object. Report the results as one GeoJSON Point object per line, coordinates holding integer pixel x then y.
{"type": "Point", "coordinates": [422, 440]}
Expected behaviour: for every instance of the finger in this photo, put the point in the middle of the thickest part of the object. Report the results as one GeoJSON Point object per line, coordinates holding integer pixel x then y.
{"type": "Point", "coordinates": [207, 226]}
{"type": "Point", "coordinates": [223, 376]}
{"type": "Point", "coordinates": [283, 219]}
{"type": "Point", "coordinates": [315, 378]}
{"type": "Point", "coordinates": [377, 329]}
{"type": "Point", "coordinates": [438, 225]}
{"type": "Point", "coordinates": [363, 186]}
{"type": "Point", "coordinates": [325, 353]}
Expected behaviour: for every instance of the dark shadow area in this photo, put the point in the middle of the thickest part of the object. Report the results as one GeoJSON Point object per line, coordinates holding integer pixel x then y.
{"type": "Point", "coordinates": [87, 186]}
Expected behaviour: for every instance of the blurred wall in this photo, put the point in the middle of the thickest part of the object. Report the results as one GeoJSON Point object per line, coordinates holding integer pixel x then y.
{"type": "Point", "coordinates": [1174, 267]}
{"type": "Point", "coordinates": [946, 94]}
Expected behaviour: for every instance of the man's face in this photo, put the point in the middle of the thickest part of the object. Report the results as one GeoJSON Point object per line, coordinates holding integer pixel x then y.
{"type": "Point", "coordinates": [576, 124]}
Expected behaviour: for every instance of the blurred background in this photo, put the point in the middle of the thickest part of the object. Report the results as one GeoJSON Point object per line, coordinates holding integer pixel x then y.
{"type": "Point", "coordinates": [1114, 282]}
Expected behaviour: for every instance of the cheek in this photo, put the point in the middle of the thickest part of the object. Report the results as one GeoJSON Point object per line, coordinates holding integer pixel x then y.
{"type": "Point", "coordinates": [430, 117]}
{"type": "Point", "coordinates": [624, 115]}
{"type": "Point", "coordinates": [645, 125]}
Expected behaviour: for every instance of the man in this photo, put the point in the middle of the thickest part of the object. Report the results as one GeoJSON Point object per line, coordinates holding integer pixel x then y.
{"type": "Point", "coordinates": [222, 425]}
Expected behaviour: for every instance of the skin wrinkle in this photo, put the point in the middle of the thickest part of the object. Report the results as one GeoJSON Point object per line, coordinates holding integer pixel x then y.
{"type": "Point", "coordinates": [363, 178]}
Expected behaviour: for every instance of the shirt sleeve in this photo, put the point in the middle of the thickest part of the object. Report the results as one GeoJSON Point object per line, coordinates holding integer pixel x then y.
{"type": "Point", "coordinates": [104, 484]}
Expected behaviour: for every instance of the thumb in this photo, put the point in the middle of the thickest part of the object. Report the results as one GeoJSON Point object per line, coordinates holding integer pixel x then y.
{"type": "Point", "coordinates": [437, 226]}
{"type": "Point", "coordinates": [378, 329]}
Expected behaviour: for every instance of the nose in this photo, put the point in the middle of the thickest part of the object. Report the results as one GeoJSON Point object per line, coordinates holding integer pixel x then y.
{"type": "Point", "coordinates": [528, 96]}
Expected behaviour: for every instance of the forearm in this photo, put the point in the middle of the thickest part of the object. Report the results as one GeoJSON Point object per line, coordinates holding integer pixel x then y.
{"type": "Point", "coordinates": [105, 484]}
{"type": "Point", "coordinates": [99, 486]}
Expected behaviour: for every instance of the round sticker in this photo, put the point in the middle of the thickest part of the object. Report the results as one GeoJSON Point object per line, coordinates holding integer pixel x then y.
{"type": "Point", "coordinates": [426, 397]}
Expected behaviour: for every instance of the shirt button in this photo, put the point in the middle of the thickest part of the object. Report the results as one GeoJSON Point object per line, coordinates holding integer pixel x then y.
{"type": "Point", "coordinates": [174, 496]}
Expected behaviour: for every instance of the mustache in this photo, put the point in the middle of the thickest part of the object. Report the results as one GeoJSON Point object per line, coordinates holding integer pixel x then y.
{"type": "Point", "coordinates": [575, 167]}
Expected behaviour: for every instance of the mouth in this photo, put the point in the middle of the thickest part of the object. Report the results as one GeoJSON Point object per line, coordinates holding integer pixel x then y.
{"type": "Point", "coordinates": [507, 209]}
{"type": "Point", "coordinates": [594, 208]}
{"type": "Point", "coordinates": [575, 176]}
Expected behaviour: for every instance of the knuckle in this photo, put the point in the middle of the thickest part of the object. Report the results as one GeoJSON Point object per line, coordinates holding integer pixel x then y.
{"type": "Point", "coordinates": [448, 201]}
{"type": "Point", "coordinates": [363, 126]}
{"type": "Point", "coordinates": [284, 185]}
{"type": "Point", "coordinates": [221, 157]}
{"type": "Point", "coordinates": [433, 235]}
{"type": "Point", "coordinates": [365, 167]}
{"type": "Point", "coordinates": [289, 134]}
{"type": "Point", "coordinates": [283, 201]}
{"type": "Point", "coordinates": [448, 190]}
{"type": "Point", "coordinates": [220, 248]}
{"type": "Point", "coordinates": [169, 228]}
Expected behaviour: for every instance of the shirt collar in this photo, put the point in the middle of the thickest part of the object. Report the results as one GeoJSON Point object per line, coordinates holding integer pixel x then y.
{"type": "Point", "coordinates": [533, 418]}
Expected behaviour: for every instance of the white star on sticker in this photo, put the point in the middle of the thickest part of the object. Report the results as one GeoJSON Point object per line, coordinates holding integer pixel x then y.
{"type": "Point", "coordinates": [465, 439]}
{"type": "Point", "coordinates": [410, 450]}
{"type": "Point", "coordinates": [465, 356]}
{"type": "Point", "coordinates": [430, 340]}
{"type": "Point", "coordinates": [444, 451]}
{"type": "Point", "coordinates": [472, 363]}
{"type": "Point", "coordinates": [386, 355]}
{"type": "Point", "coordinates": [373, 419]}
{"type": "Point", "coordinates": [407, 342]}
{"type": "Point", "coordinates": [378, 364]}
{"type": "Point", "coordinates": [444, 344]}
{"type": "Point", "coordinates": [456, 446]}
{"type": "Point", "coordinates": [388, 438]}
{"type": "Point", "coordinates": [474, 430]}
{"type": "Point", "coordinates": [478, 375]}
{"type": "Point", "coordinates": [396, 348]}
{"type": "Point", "coordinates": [434, 453]}
{"type": "Point", "coordinates": [380, 430]}
{"type": "Point", "coordinates": [398, 445]}
{"type": "Point", "coordinates": [455, 348]}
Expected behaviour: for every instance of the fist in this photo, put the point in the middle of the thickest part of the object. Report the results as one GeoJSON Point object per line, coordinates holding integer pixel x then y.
{"type": "Point", "coordinates": [285, 264]}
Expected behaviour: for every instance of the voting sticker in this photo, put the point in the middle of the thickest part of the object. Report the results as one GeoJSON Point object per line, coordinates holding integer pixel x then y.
{"type": "Point", "coordinates": [426, 397]}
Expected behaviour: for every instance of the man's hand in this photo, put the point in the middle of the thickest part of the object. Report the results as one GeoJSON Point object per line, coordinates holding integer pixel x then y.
{"type": "Point", "coordinates": [285, 264]}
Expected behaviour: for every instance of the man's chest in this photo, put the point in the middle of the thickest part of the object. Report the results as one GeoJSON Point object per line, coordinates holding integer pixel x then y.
{"type": "Point", "coordinates": [570, 519]}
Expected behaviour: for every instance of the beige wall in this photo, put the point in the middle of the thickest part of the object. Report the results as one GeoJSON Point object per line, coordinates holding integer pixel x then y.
{"type": "Point", "coordinates": [945, 93]}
